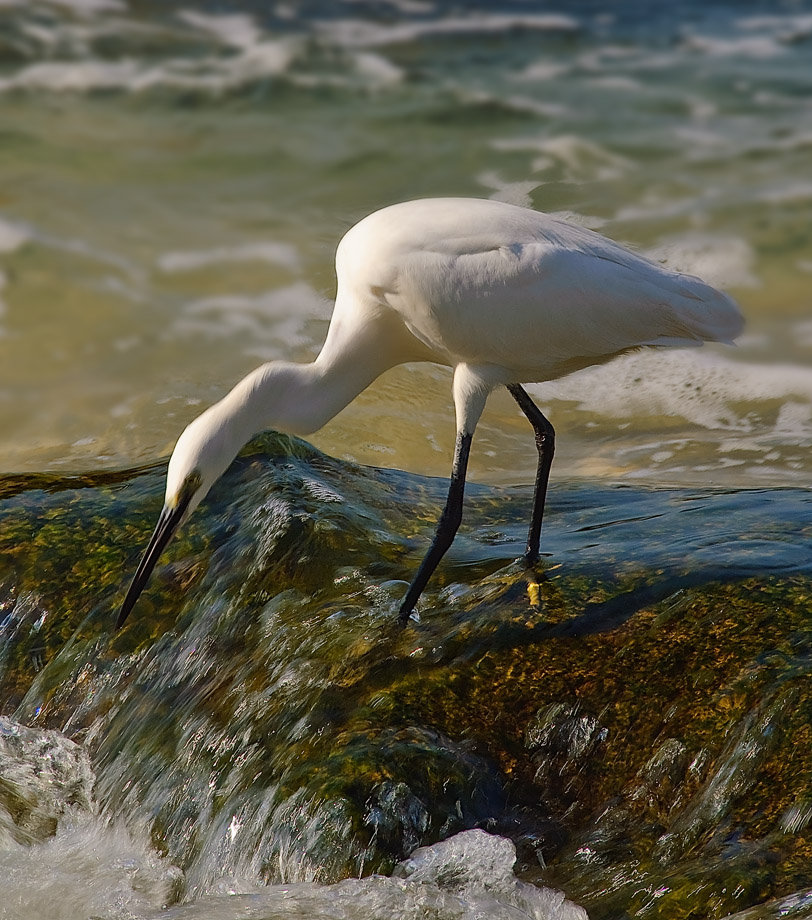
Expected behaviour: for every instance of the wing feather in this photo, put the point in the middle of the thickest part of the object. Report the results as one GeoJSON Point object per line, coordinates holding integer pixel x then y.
{"type": "Point", "coordinates": [482, 281]}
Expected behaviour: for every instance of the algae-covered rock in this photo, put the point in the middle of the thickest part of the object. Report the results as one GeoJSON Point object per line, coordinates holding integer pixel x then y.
{"type": "Point", "coordinates": [676, 766]}
{"type": "Point", "coordinates": [635, 714]}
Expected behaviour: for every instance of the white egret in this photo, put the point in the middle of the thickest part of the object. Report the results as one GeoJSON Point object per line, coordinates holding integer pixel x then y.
{"type": "Point", "coordinates": [503, 295]}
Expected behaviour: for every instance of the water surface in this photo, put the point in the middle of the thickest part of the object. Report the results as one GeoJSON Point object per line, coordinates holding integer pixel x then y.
{"type": "Point", "coordinates": [630, 722]}
{"type": "Point", "coordinates": [176, 179]}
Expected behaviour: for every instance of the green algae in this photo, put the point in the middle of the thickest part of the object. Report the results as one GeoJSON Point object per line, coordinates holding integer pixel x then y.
{"type": "Point", "coordinates": [724, 684]}
{"type": "Point", "coordinates": [635, 716]}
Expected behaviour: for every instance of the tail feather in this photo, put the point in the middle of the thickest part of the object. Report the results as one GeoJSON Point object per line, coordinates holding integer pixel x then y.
{"type": "Point", "coordinates": [718, 318]}
{"type": "Point", "coordinates": [700, 313]}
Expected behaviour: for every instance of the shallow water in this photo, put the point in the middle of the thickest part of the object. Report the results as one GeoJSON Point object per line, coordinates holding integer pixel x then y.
{"type": "Point", "coordinates": [631, 715]}
{"type": "Point", "coordinates": [634, 716]}
{"type": "Point", "coordinates": [176, 180]}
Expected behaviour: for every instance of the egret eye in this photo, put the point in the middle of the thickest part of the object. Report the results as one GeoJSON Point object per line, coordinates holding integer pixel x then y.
{"type": "Point", "coordinates": [190, 485]}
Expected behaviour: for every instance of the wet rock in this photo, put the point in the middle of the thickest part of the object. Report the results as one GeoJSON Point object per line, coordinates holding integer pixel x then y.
{"type": "Point", "coordinates": [42, 775]}
{"type": "Point", "coordinates": [561, 739]}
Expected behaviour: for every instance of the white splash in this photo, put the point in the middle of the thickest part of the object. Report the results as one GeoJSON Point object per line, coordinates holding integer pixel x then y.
{"type": "Point", "coordinates": [89, 868]}
{"type": "Point", "coordinates": [273, 321]}
{"type": "Point", "coordinates": [236, 29]}
{"type": "Point", "coordinates": [517, 192]}
{"type": "Point", "coordinates": [379, 70]}
{"type": "Point", "coordinates": [272, 252]}
{"type": "Point", "coordinates": [13, 235]}
{"type": "Point", "coordinates": [74, 76]}
{"type": "Point", "coordinates": [361, 33]}
{"type": "Point", "coordinates": [759, 47]}
{"type": "Point", "coordinates": [786, 28]}
{"type": "Point", "coordinates": [58, 858]}
{"type": "Point", "coordinates": [238, 65]}
{"type": "Point", "coordinates": [467, 877]}
{"type": "Point", "coordinates": [90, 7]}
{"type": "Point", "coordinates": [540, 71]}
{"type": "Point", "coordinates": [705, 389]}
{"type": "Point", "coordinates": [796, 192]}
{"type": "Point", "coordinates": [581, 160]}
{"type": "Point", "coordinates": [724, 261]}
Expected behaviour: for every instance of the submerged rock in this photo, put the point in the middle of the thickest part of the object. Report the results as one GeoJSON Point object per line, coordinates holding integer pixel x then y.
{"type": "Point", "coordinates": [634, 715]}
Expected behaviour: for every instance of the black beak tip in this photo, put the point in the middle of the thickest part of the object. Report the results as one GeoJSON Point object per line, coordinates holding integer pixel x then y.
{"type": "Point", "coordinates": [168, 523]}
{"type": "Point", "coordinates": [126, 607]}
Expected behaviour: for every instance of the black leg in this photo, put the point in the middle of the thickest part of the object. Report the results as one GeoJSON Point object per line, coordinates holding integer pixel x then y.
{"type": "Point", "coordinates": [447, 526]}
{"type": "Point", "coordinates": [545, 444]}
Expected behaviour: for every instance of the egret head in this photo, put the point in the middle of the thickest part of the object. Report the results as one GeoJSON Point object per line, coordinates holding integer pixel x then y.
{"type": "Point", "coordinates": [201, 456]}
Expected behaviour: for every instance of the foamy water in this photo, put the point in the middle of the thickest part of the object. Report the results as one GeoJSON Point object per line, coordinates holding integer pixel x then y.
{"type": "Point", "coordinates": [179, 180]}
{"type": "Point", "coordinates": [175, 181]}
{"type": "Point", "coordinates": [65, 861]}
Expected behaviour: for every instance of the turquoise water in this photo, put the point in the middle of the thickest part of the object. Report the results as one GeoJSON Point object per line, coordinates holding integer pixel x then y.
{"type": "Point", "coordinates": [174, 178]}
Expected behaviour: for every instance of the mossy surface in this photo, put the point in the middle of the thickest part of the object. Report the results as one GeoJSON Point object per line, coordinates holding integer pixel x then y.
{"type": "Point", "coordinates": [635, 714]}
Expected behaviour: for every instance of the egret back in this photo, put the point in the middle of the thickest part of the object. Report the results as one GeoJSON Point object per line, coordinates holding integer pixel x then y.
{"type": "Point", "coordinates": [484, 282]}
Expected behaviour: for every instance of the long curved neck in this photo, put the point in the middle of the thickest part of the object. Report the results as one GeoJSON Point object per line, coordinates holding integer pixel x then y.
{"type": "Point", "coordinates": [294, 398]}
{"type": "Point", "coordinates": [299, 398]}
{"type": "Point", "coordinates": [362, 342]}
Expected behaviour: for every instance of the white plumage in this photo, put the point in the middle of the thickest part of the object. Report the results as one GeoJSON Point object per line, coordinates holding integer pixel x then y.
{"type": "Point", "coordinates": [503, 295]}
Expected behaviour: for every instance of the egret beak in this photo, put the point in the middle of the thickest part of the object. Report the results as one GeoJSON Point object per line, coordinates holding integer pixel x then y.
{"type": "Point", "coordinates": [168, 523]}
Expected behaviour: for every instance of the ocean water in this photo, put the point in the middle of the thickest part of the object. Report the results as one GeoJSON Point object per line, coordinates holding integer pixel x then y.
{"type": "Point", "coordinates": [174, 178]}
